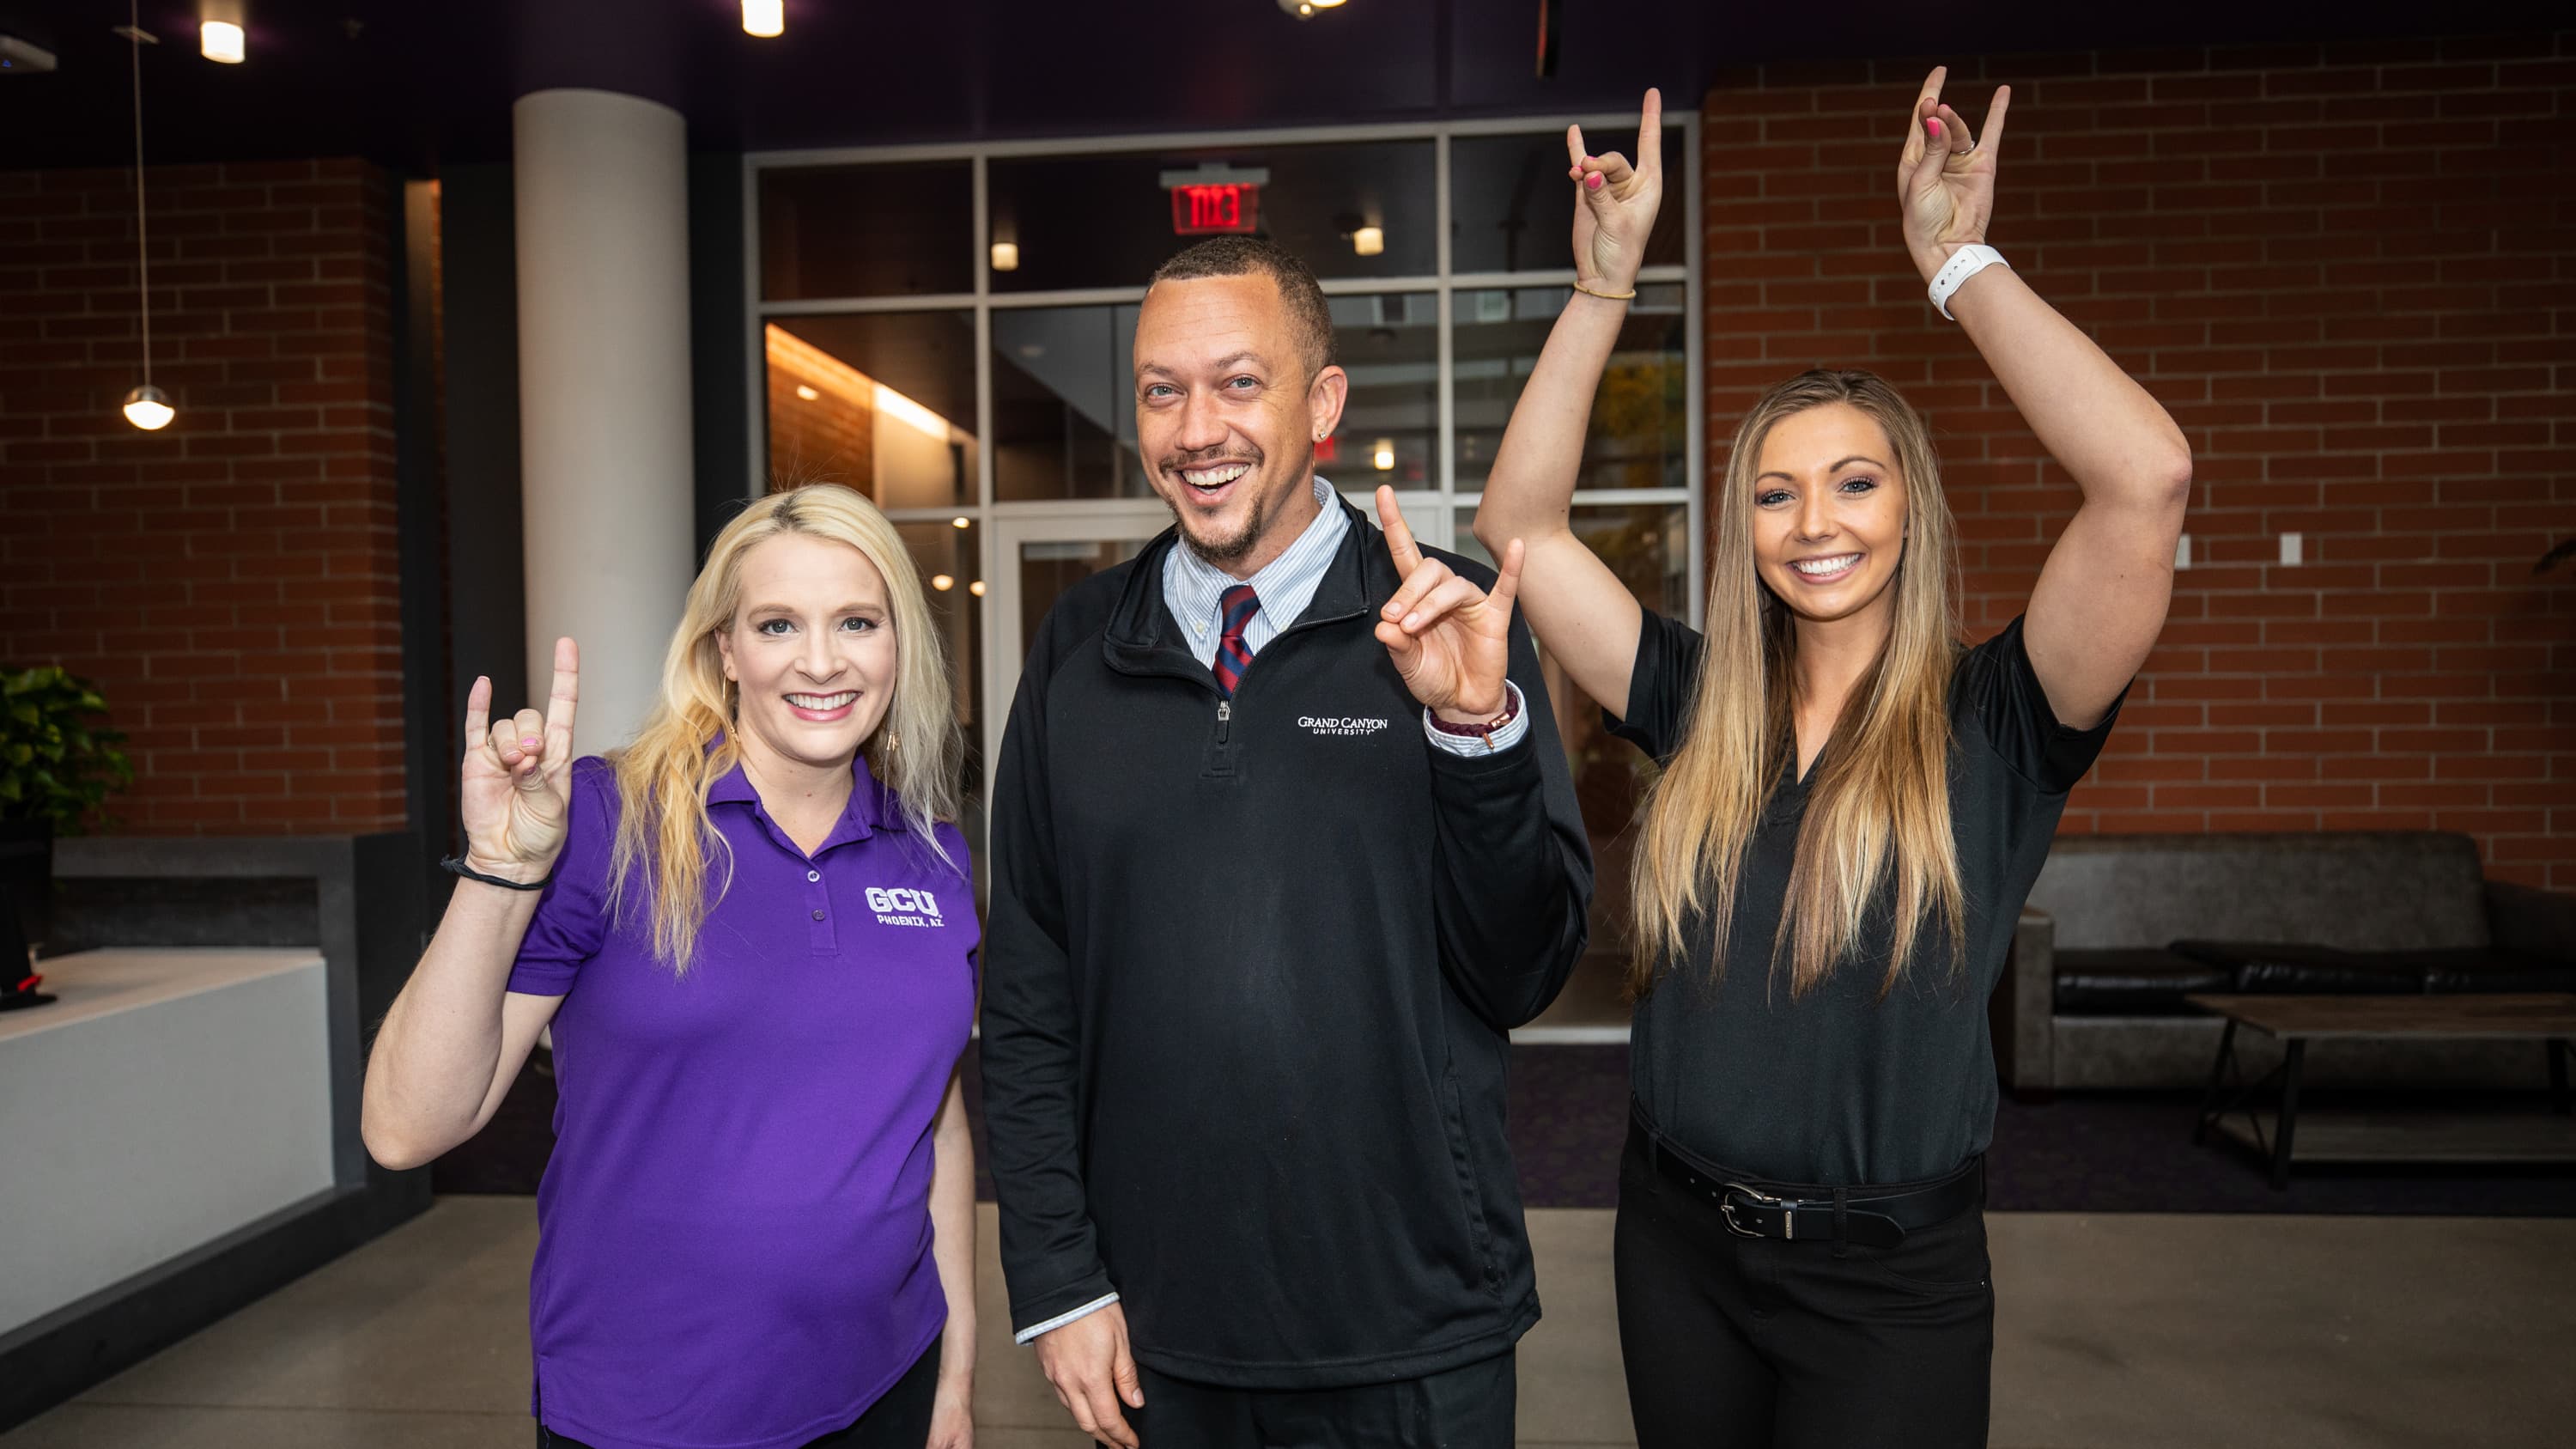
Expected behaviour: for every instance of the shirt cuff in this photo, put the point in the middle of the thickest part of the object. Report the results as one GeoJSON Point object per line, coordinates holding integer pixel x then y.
{"type": "Point", "coordinates": [1474, 746]}
{"type": "Point", "coordinates": [1061, 1319]}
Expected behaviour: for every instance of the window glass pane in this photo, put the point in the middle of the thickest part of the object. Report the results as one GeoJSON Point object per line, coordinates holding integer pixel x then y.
{"type": "Point", "coordinates": [1107, 221]}
{"type": "Point", "coordinates": [1648, 547]}
{"type": "Point", "coordinates": [1427, 514]}
{"type": "Point", "coordinates": [1640, 435]}
{"type": "Point", "coordinates": [1390, 432]}
{"type": "Point", "coordinates": [884, 403]}
{"type": "Point", "coordinates": [952, 577]}
{"type": "Point", "coordinates": [1064, 411]}
{"type": "Point", "coordinates": [1513, 209]}
{"type": "Point", "coordinates": [867, 231]}
{"type": "Point", "coordinates": [1646, 544]}
{"type": "Point", "coordinates": [1049, 568]}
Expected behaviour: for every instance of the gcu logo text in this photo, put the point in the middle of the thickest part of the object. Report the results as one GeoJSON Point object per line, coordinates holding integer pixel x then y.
{"type": "Point", "coordinates": [1336, 724]}
{"type": "Point", "coordinates": [901, 907]}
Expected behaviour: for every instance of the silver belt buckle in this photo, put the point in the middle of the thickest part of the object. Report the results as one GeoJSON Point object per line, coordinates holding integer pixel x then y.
{"type": "Point", "coordinates": [1726, 1210]}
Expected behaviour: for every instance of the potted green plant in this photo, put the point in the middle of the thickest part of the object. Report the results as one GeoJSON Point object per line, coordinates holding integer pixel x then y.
{"type": "Point", "coordinates": [58, 763]}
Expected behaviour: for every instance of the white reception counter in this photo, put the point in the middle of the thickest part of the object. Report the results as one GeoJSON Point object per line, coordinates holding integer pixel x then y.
{"type": "Point", "coordinates": [169, 1097]}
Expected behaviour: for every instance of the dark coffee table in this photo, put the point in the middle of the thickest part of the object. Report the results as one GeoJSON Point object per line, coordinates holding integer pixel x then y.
{"type": "Point", "coordinates": [2548, 1019]}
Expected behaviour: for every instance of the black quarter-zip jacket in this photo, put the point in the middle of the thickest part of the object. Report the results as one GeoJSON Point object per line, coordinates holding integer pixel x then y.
{"type": "Point", "coordinates": [1247, 983]}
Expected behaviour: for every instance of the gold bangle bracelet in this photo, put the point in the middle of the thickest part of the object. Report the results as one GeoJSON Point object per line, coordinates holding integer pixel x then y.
{"type": "Point", "coordinates": [1604, 296]}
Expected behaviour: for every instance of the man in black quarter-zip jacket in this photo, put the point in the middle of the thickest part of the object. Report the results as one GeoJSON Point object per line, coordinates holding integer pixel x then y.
{"type": "Point", "coordinates": [1283, 846]}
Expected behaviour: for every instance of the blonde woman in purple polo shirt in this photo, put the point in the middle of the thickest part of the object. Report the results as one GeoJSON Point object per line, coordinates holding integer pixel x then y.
{"type": "Point", "coordinates": [753, 935]}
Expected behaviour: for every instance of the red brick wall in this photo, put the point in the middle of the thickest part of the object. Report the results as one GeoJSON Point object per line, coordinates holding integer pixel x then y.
{"type": "Point", "coordinates": [2350, 272]}
{"type": "Point", "coordinates": [230, 580]}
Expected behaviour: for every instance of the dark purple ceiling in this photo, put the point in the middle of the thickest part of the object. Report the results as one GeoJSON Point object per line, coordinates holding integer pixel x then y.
{"type": "Point", "coordinates": [417, 82]}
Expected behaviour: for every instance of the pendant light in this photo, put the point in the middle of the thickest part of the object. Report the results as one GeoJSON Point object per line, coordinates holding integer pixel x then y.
{"type": "Point", "coordinates": [147, 407]}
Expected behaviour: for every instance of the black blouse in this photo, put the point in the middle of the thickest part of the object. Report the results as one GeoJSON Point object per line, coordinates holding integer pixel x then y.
{"type": "Point", "coordinates": [1841, 1087]}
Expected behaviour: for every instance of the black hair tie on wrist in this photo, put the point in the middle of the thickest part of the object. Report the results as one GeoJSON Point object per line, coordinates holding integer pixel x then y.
{"type": "Point", "coordinates": [456, 864]}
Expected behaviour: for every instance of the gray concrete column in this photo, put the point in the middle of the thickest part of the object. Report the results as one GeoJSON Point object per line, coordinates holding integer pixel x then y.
{"type": "Point", "coordinates": [605, 461]}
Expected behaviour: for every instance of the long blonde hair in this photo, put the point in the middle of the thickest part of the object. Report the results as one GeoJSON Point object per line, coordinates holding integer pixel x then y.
{"type": "Point", "coordinates": [1878, 815]}
{"type": "Point", "coordinates": [688, 742]}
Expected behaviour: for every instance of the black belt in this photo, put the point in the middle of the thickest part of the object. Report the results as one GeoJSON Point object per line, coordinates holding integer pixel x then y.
{"type": "Point", "coordinates": [1875, 1217]}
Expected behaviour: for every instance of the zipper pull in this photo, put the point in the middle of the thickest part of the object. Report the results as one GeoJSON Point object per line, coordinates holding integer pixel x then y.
{"type": "Point", "coordinates": [1224, 713]}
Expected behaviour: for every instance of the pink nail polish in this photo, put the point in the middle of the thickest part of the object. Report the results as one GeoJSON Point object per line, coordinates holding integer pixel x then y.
{"type": "Point", "coordinates": [1933, 124]}
{"type": "Point", "coordinates": [1593, 181]}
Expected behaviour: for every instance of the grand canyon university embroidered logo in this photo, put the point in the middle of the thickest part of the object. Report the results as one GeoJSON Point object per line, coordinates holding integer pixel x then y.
{"type": "Point", "coordinates": [1337, 724]}
{"type": "Point", "coordinates": [904, 907]}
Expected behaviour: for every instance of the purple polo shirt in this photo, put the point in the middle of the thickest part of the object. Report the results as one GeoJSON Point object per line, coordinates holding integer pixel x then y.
{"type": "Point", "coordinates": [734, 1233]}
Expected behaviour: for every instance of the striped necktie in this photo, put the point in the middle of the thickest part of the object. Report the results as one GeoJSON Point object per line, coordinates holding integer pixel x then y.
{"type": "Point", "coordinates": [1236, 607]}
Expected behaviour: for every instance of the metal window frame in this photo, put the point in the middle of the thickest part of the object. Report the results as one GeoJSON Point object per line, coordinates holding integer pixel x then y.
{"type": "Point", "coordinates": [1443, 284]}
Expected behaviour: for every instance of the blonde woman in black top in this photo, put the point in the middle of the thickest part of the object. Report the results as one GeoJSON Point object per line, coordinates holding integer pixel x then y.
{"type": "Point", "coordinates": [1852, 809]}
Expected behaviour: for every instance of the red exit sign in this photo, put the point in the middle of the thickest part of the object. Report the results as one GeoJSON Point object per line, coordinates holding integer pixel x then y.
{"type": "Point", "coordinates": [1214, 197]}
{"type": "Point", "coordinates": [1203, 209]}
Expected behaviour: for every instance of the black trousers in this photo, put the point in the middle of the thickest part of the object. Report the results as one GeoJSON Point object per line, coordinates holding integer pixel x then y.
{"type": "Point", "coordinates": [899, 1419]}
{"type": "Point", "coordinates": [1462, 1408]}
{"type": "Point", "coordinates": [1756, 1343]}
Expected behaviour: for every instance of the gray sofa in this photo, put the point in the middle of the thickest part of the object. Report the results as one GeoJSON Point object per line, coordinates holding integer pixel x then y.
{"type": "Point", "coordinates": [2120, 928]}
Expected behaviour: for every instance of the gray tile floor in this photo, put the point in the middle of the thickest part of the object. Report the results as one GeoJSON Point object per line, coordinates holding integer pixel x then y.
{"type": "Point", "coordinates": [2132, 1332]}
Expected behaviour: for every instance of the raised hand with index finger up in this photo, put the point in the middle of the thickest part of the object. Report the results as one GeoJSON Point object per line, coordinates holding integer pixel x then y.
{"type": "Point", "coordinates": [1450, 639]}
{"type": "Point", "coordinates": [517, 785]}
{"type": "Point", "coordinates": [1617, 202]}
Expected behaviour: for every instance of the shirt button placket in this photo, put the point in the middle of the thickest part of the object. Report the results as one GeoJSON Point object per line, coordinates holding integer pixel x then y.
{"type": "Point", "coordinates": [819, 897]}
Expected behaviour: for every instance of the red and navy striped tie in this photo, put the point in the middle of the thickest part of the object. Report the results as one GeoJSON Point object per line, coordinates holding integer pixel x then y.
{"type": "Point", "coordinates": [1236, 606]}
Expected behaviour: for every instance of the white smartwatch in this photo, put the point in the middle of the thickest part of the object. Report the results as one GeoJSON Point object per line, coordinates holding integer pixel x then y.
{"type": "Point", "coordinates": [1965, 263]}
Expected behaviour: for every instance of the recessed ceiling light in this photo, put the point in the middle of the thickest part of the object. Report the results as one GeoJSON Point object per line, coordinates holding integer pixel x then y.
{"type": "Point", "coordinates": [764, 18]}
{"type": "Point", "coordinates": [220, 40]}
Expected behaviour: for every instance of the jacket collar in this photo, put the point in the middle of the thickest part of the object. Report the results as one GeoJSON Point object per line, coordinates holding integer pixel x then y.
{"type": "Point", "coordinates": [1142, 639]}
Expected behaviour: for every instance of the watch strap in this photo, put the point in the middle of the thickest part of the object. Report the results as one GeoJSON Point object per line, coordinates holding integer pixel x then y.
{"type": "Point", "coordinates": [1954, 274]}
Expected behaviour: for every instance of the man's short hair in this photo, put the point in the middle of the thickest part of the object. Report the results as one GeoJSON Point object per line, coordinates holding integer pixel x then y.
{"type": "Point", "coordinates": [1309, 317]}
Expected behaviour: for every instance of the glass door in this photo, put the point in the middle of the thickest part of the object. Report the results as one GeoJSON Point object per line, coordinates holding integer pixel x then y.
{"type": "Point", "coordinates": [1036, 558]}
